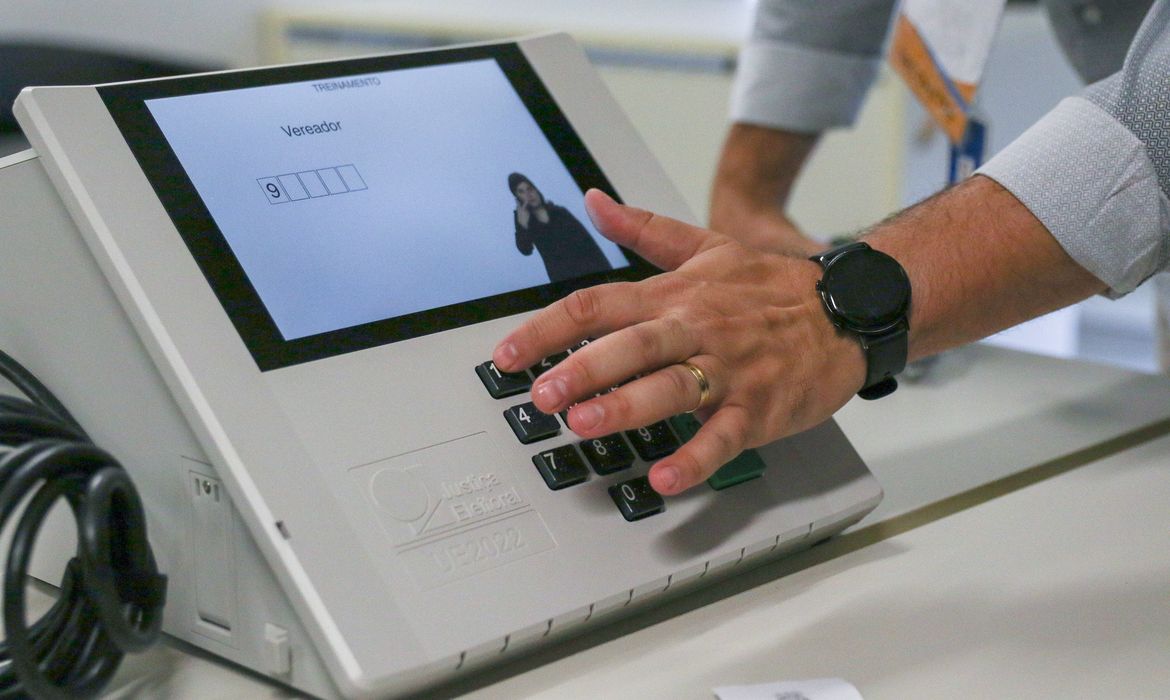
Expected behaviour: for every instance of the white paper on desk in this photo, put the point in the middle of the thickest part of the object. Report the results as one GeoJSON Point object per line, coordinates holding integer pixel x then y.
{"type": "Point", "coordinates": [814, 689]}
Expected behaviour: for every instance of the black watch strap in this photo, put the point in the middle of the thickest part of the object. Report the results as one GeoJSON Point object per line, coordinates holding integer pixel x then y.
{"type": "Point", "coordinates": [882, 331]}
{"type": "Point", "coordinates": [885, 356]}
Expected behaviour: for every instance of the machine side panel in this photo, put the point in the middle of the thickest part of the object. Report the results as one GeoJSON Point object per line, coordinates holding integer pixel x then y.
{"type": "Point", "coordinates": [59, 317]}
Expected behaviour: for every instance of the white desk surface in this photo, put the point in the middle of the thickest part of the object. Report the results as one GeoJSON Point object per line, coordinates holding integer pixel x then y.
{"type": "Point", "coordinates": [1058, 590]}
{"type": "Point", "coordinates": [989, 561]}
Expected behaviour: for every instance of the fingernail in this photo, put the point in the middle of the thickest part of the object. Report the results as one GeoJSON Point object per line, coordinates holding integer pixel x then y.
{"type": "Point", "coordinates": [588, 416]}
{"type": "Point", "coordinates": [505, 354]}
{"type": "Point", "coordinates": [550, 393]}
{"type": "Point", "coordinates": [664, 479]}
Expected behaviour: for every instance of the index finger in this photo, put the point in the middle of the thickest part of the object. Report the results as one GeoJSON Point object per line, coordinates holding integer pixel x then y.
{"type": "Point", "coordinates": [586, 313]}
{"type": "Point", "coordinates": [667, 243]}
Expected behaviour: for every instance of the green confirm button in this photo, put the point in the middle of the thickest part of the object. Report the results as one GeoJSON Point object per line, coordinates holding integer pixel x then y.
{"type": "Point", "coordinates": [745, 467]}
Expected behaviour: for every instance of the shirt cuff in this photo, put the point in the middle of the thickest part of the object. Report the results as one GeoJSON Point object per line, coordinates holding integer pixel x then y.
{"type": "Point", "coordinates": [1089, 180]}
{"type": "Point", "coordinates": [799, 89]}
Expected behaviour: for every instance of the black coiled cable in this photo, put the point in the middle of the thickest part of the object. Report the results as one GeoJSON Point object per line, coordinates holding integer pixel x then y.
{"type": "Point", "coordinates": [112, 594]}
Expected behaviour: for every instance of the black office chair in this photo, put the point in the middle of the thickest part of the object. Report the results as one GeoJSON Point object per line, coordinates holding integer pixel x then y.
{"type": "Point", "coordinates": [34, 63]}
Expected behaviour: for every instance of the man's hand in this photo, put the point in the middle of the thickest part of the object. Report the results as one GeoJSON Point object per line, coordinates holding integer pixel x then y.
{"type": "Point", "coordinates": [751, 321]}
{"type": "Point", "coordinates": [756, 173]}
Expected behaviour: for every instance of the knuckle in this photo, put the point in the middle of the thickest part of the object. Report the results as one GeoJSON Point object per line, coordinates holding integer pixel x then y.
{"type": "Point", "coordinates": [583, 306]}
{"type": "Point", "coordinates": [669, 284]}
{"type": "Point", "coordinates": [682, 382]}
{"type": "Point", "coordinates": [674, 327]}
{"type": "Point", "coordinates": [619, 408]}
{"type": "Point", "coordinates": [646, 343]}
{"type": "Point", "coordinates": [582, 377]}
{"type": "Point", "coordinates": [729, 439]}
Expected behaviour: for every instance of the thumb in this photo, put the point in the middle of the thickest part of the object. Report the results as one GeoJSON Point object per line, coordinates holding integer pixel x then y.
{"type": "Point", "coordinates": [667, 243]}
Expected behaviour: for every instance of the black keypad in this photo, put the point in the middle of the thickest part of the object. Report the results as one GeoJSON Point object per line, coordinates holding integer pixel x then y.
{"type": "Point", "coordinates": [608, 454]}
{"type": "Point", "coordinates": [653, 442]}
{"type": "Point", "coordinates": [530, 424]}
{"type": "Point", "coordinates": [561, 467]}
{"type": "Point", "coordinates": [636, 499]}
{"type": "Point", "coordinates": [580, 345]}
{"type": "Point", "coordinates": [547, 363]}
{"type": "Point", "coordinates": [502, 384]}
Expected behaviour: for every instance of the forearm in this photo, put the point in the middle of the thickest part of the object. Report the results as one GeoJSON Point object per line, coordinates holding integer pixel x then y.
{"type": "Point", "coordinates": [979, 262]}
{"type": "Point", "coordinates": [805, 68]}
{"type": "Point", "coordinates": [753, 182]}
{"type": "Point", "coordinates": [759, 165]}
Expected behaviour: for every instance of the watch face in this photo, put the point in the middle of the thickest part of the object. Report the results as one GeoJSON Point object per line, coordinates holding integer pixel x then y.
{"type": "Point", "coordinates": [866, 290]}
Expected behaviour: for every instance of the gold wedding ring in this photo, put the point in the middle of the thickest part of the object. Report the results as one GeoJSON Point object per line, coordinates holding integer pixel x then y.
{"type": "Point", "coordinates": [704, 385]}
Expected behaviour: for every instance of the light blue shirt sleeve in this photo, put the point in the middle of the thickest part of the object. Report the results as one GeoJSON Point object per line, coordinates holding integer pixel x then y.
{"type": "Point", "coordinates": [1096, 169]}
{"type": "Point", "coordinates": [808, 63]}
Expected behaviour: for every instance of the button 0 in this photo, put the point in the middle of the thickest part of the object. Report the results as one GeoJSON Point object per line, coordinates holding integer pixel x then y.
{"type": "Point", "coordinates": [636, 499]}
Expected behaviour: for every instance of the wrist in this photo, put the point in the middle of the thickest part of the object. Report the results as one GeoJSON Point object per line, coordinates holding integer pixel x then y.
{"type": "Point", "coordinates": [843, 361]}
{"type": "Point", "coordinates": [866, 294]}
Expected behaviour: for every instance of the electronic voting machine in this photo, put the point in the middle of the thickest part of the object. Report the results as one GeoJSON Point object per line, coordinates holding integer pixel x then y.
{"type": "Point", "coordinates": [273, 294]}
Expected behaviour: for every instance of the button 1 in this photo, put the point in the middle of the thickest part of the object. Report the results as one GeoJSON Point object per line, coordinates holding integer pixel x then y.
{"type": "Point", "coordinates": [608, 454]}
{"type": "Point", "coordinates": [636, 499]}
{"type": "Point", "coordinates": [530, 424]}
{"type": "Point", "coordinates": [502, 384]}
{"type": "Point", "coordinates": [561, 467]}
{"type": "Point", "coordinates": [654, 441]}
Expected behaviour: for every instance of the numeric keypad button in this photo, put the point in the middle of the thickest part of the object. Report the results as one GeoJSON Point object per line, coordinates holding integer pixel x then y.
{"type": "Point", "coordinates": [746, 466]}
{"type": "Point", "coordinates": [636, 499]}
{"type": "Point", "coordinates": [561, 467]}
{"type": "Point", "coordinates": [531, 425]}
{"type": "Point", "coordinates": [654, 441]}
{"type": "Point", "coordinates": [502, 384]}
{"type": "Point", "coordinates": [608, 454]}
{"type": "Point", "coordinates": [547, 363]}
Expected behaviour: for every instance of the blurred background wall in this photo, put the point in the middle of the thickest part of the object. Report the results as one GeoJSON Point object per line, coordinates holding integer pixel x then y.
{"type": "Point", "coordinates": [669, 63]}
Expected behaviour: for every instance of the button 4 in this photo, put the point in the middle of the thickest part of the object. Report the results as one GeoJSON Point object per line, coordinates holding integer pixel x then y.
{"type": "Point", "coordinates": [531, 425]}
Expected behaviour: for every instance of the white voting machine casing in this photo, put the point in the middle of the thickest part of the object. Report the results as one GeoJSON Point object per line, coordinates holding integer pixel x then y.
{"type": "Point", "coordinates": [272, 293]}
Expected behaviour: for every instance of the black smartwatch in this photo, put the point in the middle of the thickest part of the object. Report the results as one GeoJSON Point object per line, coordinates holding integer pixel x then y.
{"type": "Point", "coordinates": [867, 293]}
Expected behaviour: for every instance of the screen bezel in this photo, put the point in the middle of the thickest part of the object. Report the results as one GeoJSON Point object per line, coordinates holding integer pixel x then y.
{"type": "Point", "coordinates": [126, 103]}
